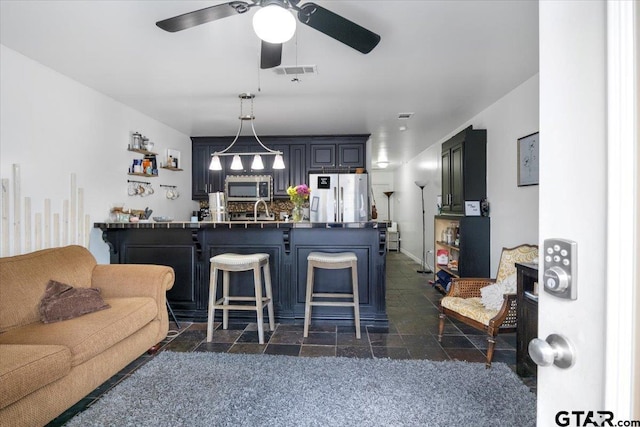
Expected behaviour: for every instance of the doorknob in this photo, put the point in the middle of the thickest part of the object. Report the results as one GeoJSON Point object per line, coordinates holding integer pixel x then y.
{"type": "Point", "coordinates": [555, 349]}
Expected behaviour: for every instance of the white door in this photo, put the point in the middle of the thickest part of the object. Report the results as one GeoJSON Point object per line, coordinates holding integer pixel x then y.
{"type": "Point", "coordinates": [577, 202]}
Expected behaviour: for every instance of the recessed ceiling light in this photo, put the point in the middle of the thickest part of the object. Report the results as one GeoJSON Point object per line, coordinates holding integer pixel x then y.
{"type": "Point", "coordinates": [402, 128]}
{"type": "Point", "coordinates": [383, 164]}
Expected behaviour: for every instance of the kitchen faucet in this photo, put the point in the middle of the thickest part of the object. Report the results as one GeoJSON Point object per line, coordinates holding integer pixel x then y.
{"type": "Point", "coordinates": [255, 209]}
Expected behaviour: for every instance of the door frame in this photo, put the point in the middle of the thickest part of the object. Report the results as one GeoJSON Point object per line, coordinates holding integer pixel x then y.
{"type": "Point", "coordinates": [621, 389]}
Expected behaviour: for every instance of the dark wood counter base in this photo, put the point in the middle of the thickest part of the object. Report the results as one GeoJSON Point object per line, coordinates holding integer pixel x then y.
{"type": "Point", "coordinates": [187, 247]}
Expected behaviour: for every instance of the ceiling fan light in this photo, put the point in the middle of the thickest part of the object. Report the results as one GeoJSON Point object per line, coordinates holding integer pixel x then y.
{"type": "Point", "coordinates": [257, 163]}
{"type": "Point", "coordinates": [274, 24]}
{"type": "Point", "coordinates": [215, 164]}
{"type": "Point", "coordinates": [236, 163]}
{"type": "Point", "coordinates": [278, 162]}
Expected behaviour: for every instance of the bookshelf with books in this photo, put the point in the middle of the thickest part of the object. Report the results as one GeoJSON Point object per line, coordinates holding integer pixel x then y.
{"type": "Point", "coordinates": [462, 245]}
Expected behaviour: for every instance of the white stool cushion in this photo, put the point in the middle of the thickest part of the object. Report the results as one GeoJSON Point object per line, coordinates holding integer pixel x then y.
{"type": "Point", "coordinates": [332, 257]}
{"type": "Point", "coordinates": [238, 259]}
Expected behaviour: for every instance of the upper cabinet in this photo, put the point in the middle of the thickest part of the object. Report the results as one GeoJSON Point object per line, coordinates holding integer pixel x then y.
{"type": "Point", "coordinates": [338, 152]}
{"type": "Point", "coordinates": [464, 169]}
{"type": "Point", "coordinates": [301, 155]}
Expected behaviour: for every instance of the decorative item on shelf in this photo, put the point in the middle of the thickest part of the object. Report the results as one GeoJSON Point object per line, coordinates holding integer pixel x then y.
{"type": "Point", "coordinates": [298, 195]}
{"type": "Point", "coordinates": [172, 192]}
{"type": "Point", "coordinates": [136, 141]}
{"type": "Point", "coordinates": [140, 188]}
{"type": "Point", "coordinates": [423, 270]}
{"type": "Point", "coordinates": [236, 163]}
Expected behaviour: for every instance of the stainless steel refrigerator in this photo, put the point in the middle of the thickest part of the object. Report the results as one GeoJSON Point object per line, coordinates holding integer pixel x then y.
{"type": "Point", "coordinates": [338, 197]}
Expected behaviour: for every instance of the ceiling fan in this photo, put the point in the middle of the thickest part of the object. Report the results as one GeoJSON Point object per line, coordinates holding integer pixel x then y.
{"type": "Point", "coordinates": [316, 17]}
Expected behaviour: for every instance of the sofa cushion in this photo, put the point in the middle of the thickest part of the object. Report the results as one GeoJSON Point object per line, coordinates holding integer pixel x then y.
{"type": "Point", "coordinates": [26, 368]}
{"type": "Point", "coordinates": [91, 334]}
{"type": "Point", "coordinates": [23, 279]}
{"type": "Point", "coordinates": [62, 302]}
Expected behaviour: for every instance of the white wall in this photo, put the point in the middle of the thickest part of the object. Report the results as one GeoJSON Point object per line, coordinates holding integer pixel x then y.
{"type": "Point", "coordinates": [513, 209]}
{"type": "Point", "coordinates": [53, 126]}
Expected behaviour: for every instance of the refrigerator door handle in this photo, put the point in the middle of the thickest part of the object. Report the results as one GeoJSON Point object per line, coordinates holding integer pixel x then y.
{"type": "Point", "coordinates": [335, 204]}
{"type": "Point", "coordinates": [341, 204]}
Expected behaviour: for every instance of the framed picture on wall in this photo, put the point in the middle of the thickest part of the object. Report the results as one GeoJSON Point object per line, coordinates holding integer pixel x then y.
{"type": "Point", "coordinates": [528, 157]}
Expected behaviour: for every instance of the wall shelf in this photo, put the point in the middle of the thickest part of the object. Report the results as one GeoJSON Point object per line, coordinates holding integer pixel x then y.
{"type": "Point", "coordinates": [141, 151]}
{"type": "Point", "coordinates": [143, 174]}
{"type": "Point", "coordinates": [171, 168]}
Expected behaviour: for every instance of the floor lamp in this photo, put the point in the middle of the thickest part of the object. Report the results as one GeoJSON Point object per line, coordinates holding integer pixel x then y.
{"type": "Point", "coordinates": [423, 270]}
{"type": "Point", "coordinates": [388, 194]}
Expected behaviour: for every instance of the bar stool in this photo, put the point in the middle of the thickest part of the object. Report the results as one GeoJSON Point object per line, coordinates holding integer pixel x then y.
{"type": "Point", "coordinates": [236, 262]}
{"type": "Point", "coordinates": [332, 261]}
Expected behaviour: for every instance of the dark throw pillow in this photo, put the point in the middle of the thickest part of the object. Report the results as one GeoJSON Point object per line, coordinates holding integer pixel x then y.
{"type": "Point", "coordinates": [63, 302]}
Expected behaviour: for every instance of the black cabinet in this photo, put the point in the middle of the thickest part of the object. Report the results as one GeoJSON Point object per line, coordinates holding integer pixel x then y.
{"type": "Point", "coordinates": [527, 328]}
{"type": "Point", "coordinates": [203, 180]}
{"type": "Point", "coordinates": [295, 172]}
{"type": "Point", "coordinates": [188, 248]}
{"type": "Point", "coordinates": [322, 155]}
{"type": "Point", "coordinates": [464, 169]}
{"type": "Point", "coordinates": [337, 152]}
{"type": "Point", "coordinates": [301, 154]}
{"type": "Point", "coordinates": [471, 254]}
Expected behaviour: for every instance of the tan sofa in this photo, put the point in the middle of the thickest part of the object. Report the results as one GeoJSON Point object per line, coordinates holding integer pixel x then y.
{"type": "Point", "coordinates": [47, 367]}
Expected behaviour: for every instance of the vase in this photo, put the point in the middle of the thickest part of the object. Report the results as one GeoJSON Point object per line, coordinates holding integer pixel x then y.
{"type": "Point", "coordinates": [297, 213]}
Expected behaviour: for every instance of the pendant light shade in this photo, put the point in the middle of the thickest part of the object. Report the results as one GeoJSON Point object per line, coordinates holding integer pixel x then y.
{"type": "Point", "coordinates": [278, 162]}
{"type": "Point", "coordinates": [274, 24]}
{"type": "Point", "coordinates": [257, 162]}
{"type": "Point", "coordinates": [215, 164]}
{"type": "Point", "coordinates": [236, 163]}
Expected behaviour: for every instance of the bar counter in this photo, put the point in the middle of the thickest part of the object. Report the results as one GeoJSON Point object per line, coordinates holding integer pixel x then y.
{"type": "Point", "coordinates": [188, 246]}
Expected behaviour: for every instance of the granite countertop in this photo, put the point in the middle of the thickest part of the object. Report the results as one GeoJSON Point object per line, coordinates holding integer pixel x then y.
{"type": "Point", "coordinates": [236, 224]}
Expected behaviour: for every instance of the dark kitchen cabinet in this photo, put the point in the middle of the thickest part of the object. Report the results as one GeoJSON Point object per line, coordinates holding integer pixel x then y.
{"type": "Point", "coordinates": [322, 155]}
{"type": "Point", "coordinates": [337, 152]}
{"type": "Point", "coordinates": [295, 172]}
{"type": "Point", "coordinates": [203, 180]}
{"type": "Point", "coordinates": [301, 154]}
{"type": "Point", "coordinates": [464, 169]}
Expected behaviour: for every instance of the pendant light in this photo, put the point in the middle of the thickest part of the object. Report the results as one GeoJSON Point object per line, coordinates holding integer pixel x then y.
{"type": "Point", "coordinates": [236, 163]}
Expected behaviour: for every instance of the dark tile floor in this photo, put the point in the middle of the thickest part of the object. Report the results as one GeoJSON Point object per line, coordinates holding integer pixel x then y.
{"type": "Point", "coordinates": [412, 334]}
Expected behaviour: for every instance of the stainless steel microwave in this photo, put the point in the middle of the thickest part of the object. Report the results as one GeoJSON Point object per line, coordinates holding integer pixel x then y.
{"type": "Point", "coordinates": [248, 188]}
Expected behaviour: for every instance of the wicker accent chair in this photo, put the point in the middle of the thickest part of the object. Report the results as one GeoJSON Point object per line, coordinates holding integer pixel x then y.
{"type": "Point", "coordinates": [463, 301]}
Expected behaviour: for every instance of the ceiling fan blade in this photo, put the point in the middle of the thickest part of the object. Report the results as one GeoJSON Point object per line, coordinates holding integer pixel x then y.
{"type": "Point", "coordinates": [270, 55]}
{"type": "Point", "coordinates": [202, 16]}
{"type": "Point", "coordinates": [341, 29]}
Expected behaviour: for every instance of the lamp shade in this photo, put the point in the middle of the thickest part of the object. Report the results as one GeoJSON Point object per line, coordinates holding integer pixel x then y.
{"type": "Point", "coordinates": [236, 163]}
{"type": "Point", "coordinates": [257, 162]}
{"type": "Point", "coordinates": [274, 24]}
{"type": "Point", "coordinates": [215, 164]}
{"type": "Point", "coordinates": [421, 183]}
{"type": "Point", "coordinates": [278, 162]}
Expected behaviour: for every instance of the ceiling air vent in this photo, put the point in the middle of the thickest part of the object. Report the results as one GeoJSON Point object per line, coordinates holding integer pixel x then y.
{"type": "Point", "coordinates": [404, 116]}
{"type": "Point", "coordinates": [296, 70]}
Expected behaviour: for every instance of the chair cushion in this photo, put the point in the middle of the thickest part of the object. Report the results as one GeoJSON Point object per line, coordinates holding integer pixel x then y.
{"type": "Point", "coordinates": [469, 307]}
{"type": "Point", "coordinates": [492, 295]}
{"type": "Point", "coordinates": [238, 259]}
{"type": "Point", "coordinates": [91, 334]}
{"type": "Point", "coordinates": [330, 257]}
{"type": "Point", "coordinates": [26, 368]}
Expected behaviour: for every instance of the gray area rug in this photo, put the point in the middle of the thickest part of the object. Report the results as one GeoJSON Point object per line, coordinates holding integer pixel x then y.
{"type": "Point", "coordinates": [218, 389]}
